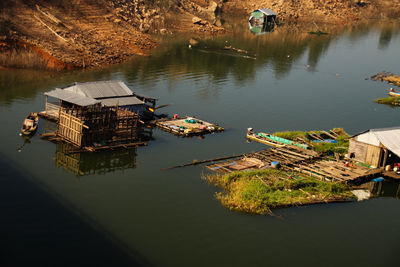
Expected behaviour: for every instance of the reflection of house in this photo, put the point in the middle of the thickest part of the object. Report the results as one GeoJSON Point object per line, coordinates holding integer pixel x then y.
{"type": "Point", "coordinates": [105, 93]}
{"type": "Point", "coordinates": [376, 147]}
{"type": "Point", "coordinates": [262, 20]}
{"type": "Point", "coordinates": [94, 163]}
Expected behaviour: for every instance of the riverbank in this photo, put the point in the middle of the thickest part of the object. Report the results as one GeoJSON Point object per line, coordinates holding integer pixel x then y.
{"type": "Point", "coordinates": [257, 192]}
{"type": "Point", "coordinates": [89, 34]}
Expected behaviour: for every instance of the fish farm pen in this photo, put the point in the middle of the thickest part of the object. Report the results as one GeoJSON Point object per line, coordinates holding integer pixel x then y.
{"type": "Point", "coordinates": [187, 126]}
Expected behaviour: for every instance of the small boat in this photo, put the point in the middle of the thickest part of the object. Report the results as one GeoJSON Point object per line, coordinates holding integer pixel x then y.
{"type": "Point", "coordinates": [392, 92]}
{"type": "Point", "coordinates": [29, 126]}
{"type": "Point", "coordinates": [271, 140]}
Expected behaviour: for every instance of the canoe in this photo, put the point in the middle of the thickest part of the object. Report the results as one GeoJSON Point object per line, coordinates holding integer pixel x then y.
{"type": "Point", "coordinates": [264, 141]}
{"type": "Point", "coordinates": [29, 126]}
{"type": "Point", "coordinates": [396, 94]}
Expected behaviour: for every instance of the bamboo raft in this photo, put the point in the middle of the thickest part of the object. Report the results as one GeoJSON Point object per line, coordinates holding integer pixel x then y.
{"type": "Point", "coordinates": [297, 159]}
{"type": "Point", "coordinates": [187, 126]}
{"type": "Point", "coordinates": [287, 156]}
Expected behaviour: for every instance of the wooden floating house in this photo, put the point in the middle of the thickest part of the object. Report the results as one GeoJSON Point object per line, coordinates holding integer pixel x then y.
{"type": "Point", "coordinates": [187, 126]}
{"type": "Point", "coordinates": [105, 93]}
{"type": "Point", "coordinates": [89, 125]}
{"type": "Point", "coordinates": [376, 147]}
{"type": "Point", "coordinates": [262, 21]}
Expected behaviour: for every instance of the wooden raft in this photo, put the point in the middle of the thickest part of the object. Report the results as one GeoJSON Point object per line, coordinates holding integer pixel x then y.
{"type": "Point", "coordinates": [286, 156]}
{"type": "Point", "coordinates": [181, 127]}
{"type": "Point", "coordinates": [300, 160]}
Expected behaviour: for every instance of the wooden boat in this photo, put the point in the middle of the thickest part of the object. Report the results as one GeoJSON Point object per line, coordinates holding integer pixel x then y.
{"type": "Point", "coordinates": [29, 126]}
{"type": "Point", "coordinates": [392, 92]}
{"type": "Point", "coordinates": [265, 141]}
{"type": "Point", "coordinates": [271, 140]}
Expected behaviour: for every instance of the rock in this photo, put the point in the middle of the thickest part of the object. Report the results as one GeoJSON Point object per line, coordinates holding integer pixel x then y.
{"type": "Point", "coordinates": [218, 23]}
{"type": "Point", "coordinates": [193, 41]}
{"type": "Point", "coordinates": [196, 20]}
{"type": "Point", "coordinates": [212, 7]}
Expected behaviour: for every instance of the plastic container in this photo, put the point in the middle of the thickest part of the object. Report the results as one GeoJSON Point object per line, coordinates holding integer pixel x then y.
{"type": "Point", "coordinates": [275, 165]}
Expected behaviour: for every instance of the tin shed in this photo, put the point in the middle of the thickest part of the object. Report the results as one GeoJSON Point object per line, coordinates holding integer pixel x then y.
{"type": "Point", "coordinates": [376, 147]}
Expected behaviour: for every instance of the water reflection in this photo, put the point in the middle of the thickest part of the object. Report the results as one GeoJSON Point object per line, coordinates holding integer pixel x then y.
{"type": "Point", "coordinates": [81, 164]}
{"type": "Point", "coordinates": [91, 163]}
{"type": "Point", "coordinates": [280, 50]}
{"type": "Point", "coordinates": [387, 188]}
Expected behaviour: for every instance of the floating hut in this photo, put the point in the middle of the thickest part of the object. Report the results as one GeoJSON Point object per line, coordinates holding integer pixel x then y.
{"type": "Point", "coordinates": [262, 21]}
{"type": "Point", "coordinates": [105, 93]}
{"type": "Point", "coordinates": [90, 126]}
{"type": "Point", "coordinates": [376, 147]}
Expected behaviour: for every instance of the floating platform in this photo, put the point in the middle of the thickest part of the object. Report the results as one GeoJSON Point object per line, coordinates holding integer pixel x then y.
{"type": "Point", "coordinates": [187, 126]}
{"type": "Point", "coordinates": [300, 160]}
{"type": "Point", "coordinates": [285, 156]}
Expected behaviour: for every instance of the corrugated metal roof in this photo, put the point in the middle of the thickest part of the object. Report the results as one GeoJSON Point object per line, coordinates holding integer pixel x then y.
{"type": "Point", "coordinates": [266, 11]}
{"type": "Point", "coordinates": [72, 97]}
{"type": "Point", "coordinates": [389, 137]}
{"type": "Point", "coordinates": [121, 101]}
{"type": "Point", "coordinates": [100, 89]}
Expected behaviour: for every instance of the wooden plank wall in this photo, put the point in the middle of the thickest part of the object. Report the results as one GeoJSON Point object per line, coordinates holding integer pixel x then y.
{"type": "Point", "coordinates": [70, 128]}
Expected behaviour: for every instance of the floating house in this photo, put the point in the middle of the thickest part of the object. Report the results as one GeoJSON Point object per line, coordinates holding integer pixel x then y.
{"type": "Point", "coordinates": [376, 147]}
{"type": "Point", "coordinates": [104, 93]}
{"type": "Point", "coordinates": [262, 20]}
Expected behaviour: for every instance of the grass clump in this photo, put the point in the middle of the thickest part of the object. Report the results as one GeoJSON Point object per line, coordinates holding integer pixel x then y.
{"type": "Point", "coordinates": [258, 192]}
{"type": "Point", "coordinates": [391, 100]}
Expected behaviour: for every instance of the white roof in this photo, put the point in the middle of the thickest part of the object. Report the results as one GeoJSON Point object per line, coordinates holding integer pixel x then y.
{"type": "Point", "coordinates": [388, 137]}
{"type": "Point", "coordinates": [100, 89]}
{"type": "Point", "coordinates": [72, 97]}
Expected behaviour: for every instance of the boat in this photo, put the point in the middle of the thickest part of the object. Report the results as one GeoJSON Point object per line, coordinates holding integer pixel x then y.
{"type": "Point", "coordinates": [29, 126]}
{"type": "Point", "coordinates": [272, 140]}
{"type": "Point", "coordinates": [392, 92]}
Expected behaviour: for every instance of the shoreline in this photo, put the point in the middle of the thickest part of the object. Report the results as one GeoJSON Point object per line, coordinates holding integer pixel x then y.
{"type": "Point", "coordinates": [100, 37]}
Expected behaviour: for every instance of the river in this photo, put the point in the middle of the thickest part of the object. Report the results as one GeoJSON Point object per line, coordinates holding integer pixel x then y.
{"type": "Point", "coordinates": [118, 208]}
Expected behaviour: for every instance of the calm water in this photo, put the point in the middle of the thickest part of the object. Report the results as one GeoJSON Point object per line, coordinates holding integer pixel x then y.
{"type": "Point", "coordinates": [118, 208]}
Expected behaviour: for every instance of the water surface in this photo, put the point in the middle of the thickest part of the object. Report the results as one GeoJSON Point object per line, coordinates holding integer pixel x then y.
{"type": "Point", "coordinates": [289, 80]}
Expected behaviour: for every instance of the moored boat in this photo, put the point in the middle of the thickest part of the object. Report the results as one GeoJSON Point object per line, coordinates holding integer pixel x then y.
{"type": "Point", "coordinates": [392, 92]}
{"type": "Point", "coordinates": [30, 123]}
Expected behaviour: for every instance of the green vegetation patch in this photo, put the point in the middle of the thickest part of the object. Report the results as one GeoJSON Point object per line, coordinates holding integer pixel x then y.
{"type": "Point", "coordinates": [392, 100]}
{"type": "Point", "coordinates": [258, 192]}
{"type": "Point", "coordinates": [325, 148]}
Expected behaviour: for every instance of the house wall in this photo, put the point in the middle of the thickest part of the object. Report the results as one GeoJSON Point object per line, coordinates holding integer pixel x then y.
{"type": "Point", "coordinates": [365, 153]}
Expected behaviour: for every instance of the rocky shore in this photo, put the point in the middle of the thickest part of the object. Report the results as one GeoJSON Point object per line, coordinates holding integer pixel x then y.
{"type": "Point", "coordinates": [87, 33]}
